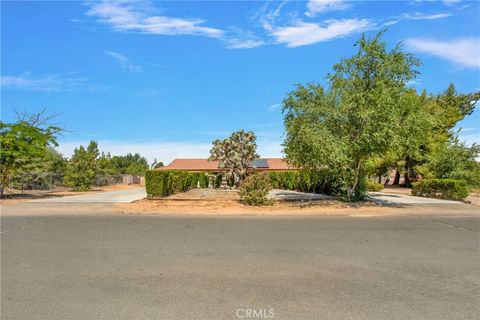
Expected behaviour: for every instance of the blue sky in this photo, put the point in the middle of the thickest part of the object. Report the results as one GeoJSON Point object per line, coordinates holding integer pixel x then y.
{"type": "Point", "coordinates": [166, 78]}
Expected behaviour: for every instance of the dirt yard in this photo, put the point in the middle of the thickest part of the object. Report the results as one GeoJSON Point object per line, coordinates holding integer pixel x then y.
{"type": "Point", "coordinates": [235, 207]}
{"type": "Point", "coordinates": [227, 202]}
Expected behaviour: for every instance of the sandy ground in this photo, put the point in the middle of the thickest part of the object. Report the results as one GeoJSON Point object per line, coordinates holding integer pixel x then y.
{"type": "Point", "coordinates": [223, 206]}
{"type": "Point", "coordinates": [16, 197]}
{"type": "Point", "coordinates": [312, 208]}
{"type": "Point", "coordinates": [205, 202]}
{"type": "Point", "coordinates": [227, 202]}
{"type": "Point", "coordinates": [232, 207]}
{"type": "Point", "coordinates": [397, 190]}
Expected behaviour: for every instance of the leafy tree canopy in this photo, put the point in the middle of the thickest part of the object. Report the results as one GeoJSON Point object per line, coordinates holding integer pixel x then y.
{"type": "Point", "coordinates": [130, 164]}
{"type": "Point", "coordinates": [25, 143]}
{"type": "Point", "coordinates": [355, 119]}
{"type": "Point", "coordinates": [82, 167]}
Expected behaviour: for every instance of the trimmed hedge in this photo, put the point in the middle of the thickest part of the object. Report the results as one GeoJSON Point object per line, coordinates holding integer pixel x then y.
{"type": "Point", "coordinates": [164, 183]}
{"type": "Point", "coordinates": [305, 181]}
{"type": "Point", "coordinates": [441, 188]}
{"type": "Point", "coordinates": [374, 186]}
{"type": "Point", "coordinates": [159, 183]}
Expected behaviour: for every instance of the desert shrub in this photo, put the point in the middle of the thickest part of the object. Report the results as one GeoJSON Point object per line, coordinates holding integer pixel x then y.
{"type": "Point", "coordinates": [159, 183]}
{"type": "Point", "coordinates": [254, 189]}
{"type": "Point", "coordinates": [374, 186]}
{"type": "Point", "coordinates": [441, 188]}
{"type": "Point", "coordinates": [454, 160]}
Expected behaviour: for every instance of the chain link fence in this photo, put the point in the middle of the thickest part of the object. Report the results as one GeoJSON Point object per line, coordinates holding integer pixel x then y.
{"type": "Point", "coordinates": [47, 181]}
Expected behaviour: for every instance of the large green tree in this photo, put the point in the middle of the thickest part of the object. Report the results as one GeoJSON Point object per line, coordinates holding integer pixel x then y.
{"type": "Point", "coordinates": [343, 127]}
{"type": "Point", "coordinates": [235, 153]}
{"type": "Point", "coordinates": [427, 125]}
{"type": "Point", "coordinates": [82, 168]}
{"type": "Point", "coordinates": [130, 164]}
{"type": "Point", "coordinates": [41, 175]}
{"type": "Point", "coordinates": [415, 123]}
{"type": "Point", "coordinates": [24, 144]}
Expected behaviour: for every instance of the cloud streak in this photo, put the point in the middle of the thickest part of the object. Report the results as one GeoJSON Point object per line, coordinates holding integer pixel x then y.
{"type": "Point", "coordinates": [425, 16]}
{"type": "Point", "coordinates": [274, 106]}
{"type": "Point", "coordinates": [47, 83]}
{"type": "Point", "coordinates": [142, 17]}
{"type": "Point", "coordinates": [138, 17]}
{"type": "Point", "coordinates": [315, 7]}
{"type": "Point", "coordinates": [238, 39]}
{"type": "Point", "coordinates": [462, 51]}
{"type": "Point", "coordinates": [303, 33]}
{"type": "Point", "coordinates": [123, 61]}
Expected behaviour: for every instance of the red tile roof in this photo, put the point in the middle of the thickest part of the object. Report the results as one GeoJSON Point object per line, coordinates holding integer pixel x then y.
{"type": "Point", "coordinates": [278, 164]}
{"type": "Point", "coordinates": [206, 165]}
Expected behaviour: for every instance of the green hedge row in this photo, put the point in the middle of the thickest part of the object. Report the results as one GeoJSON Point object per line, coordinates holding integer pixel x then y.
{"type": "Point", "coordinates": [164, 183]}
{"type": "Point", "coordinates": [441, 188]}
{"type": "Point", "coordinates": [305, 181]}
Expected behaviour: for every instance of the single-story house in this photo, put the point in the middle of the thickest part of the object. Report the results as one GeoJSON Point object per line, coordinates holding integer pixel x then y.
{"type": "Point", "coordinates": [205, 165]}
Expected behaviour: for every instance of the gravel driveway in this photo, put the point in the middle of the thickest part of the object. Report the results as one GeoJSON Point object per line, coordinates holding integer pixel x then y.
{"type": "Point", "coordinates": [128, 195]}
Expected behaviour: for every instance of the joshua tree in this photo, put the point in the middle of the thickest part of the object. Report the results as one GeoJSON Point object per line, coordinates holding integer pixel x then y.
{"type": "Point", "coordinates": [235, 153]}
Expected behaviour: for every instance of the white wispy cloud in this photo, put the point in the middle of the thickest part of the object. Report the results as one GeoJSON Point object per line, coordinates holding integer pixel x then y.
{"type": "Point", "coordinates": [129, 16]}
{"type": "Point", "coordinates": [470, 139]}
{"type": "Point", "coordinates": [270, 148]}
{"type": "Point", "coordinates": [294, 32]}
{"type": "Point", "coordinates": [315, 7]}
{"type": "Point", "coordinates": [450, 2]}
{"type": "Point", "coordinates": [417, 16]}
{"type": "Point", "coordinates": [266, 16]}
{"type": "Point", "coordinates": [446, 2]}
{"type": "Point", "coordinates": [414, 82]}
{"type": "Point", "coordinates": [468, 129]}
{"type": "Point", "coordinates": [305, 33]}
{"type": "Point", "coordinates": [425, 16]}
{"type": "Point", "coordinates": [123, 61]}
{"type": "Point", "coordinates": [143, 17]}
{"type": "Point", "coordinates": [463, 51]}
{"type": "Point", "coordinates": [47, 83]}
{"type": "Point", "coordinates": [237, 38]}
{"type": "Point", "coordinates": [164, 151]}
{"type": "Point", "coordinates": [274, 106]}
{"type": "Point", "coordinates": [239, 43]}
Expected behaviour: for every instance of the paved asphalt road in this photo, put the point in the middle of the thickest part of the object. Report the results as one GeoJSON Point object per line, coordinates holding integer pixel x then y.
{"type": "Point", "coordinates": [112, 266]}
